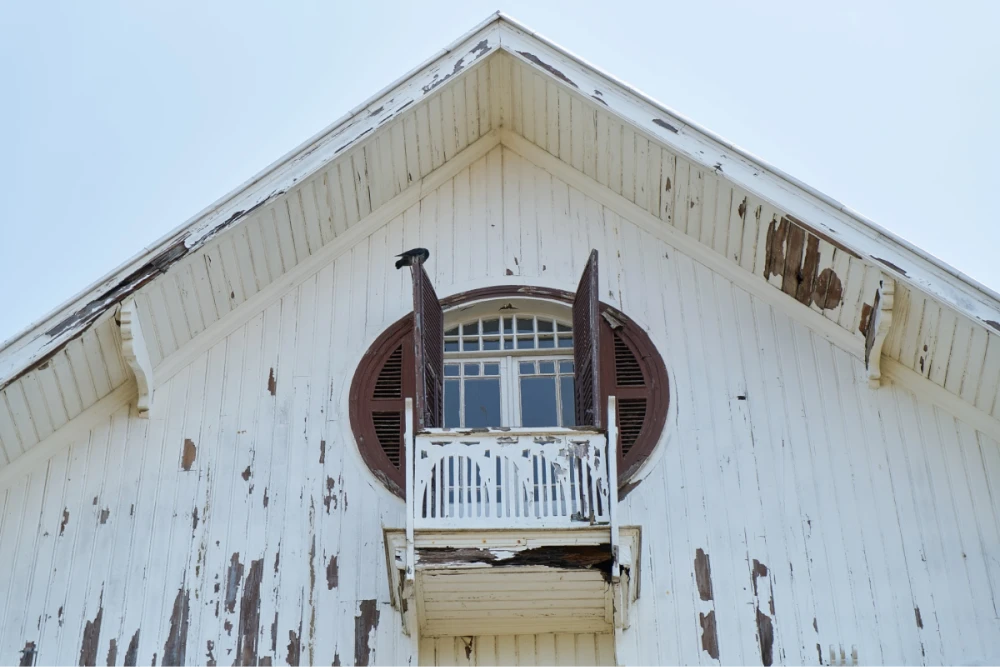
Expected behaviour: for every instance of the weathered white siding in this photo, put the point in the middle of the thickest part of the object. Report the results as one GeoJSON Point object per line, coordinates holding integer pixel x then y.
{"type": "Point", "coordinates": [863, 506]}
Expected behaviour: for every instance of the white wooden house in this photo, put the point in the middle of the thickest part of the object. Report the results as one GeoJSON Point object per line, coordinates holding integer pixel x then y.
{"type": "Point", "coordinates": [649, 400]}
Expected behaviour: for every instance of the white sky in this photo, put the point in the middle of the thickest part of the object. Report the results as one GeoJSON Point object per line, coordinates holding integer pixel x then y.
{"type": "Point", "coordinates": [119, 121]}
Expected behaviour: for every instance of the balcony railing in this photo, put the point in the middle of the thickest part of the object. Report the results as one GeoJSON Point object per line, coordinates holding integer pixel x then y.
{"type": "Point", "coordinates": [510, 478]}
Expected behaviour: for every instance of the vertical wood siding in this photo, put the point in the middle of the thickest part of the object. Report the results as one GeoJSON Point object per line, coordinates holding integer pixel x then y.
{"type": "Point", "coordinates": [240, 525]}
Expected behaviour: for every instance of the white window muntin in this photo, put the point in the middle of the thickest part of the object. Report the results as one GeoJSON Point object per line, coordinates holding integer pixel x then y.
{"type": "Point", "coordinates": [509, 370]}
{"type": "Point", "coordinates": [509, 334]}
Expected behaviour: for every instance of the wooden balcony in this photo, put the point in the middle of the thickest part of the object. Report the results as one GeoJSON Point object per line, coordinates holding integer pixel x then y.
{"type": "Point", "coordinates": [512, 530]}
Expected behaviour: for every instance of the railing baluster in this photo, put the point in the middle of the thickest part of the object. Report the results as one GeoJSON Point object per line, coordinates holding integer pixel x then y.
{"type": "Point", "coordinates": [504, 479]}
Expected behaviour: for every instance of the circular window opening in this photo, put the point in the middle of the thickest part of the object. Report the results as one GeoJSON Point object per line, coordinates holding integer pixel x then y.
{"type": "Point", "coordinates": [508, 362]}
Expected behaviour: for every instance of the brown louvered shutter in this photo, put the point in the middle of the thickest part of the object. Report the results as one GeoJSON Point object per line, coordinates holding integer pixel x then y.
{"type": "Point", "coordinates": [428, 352]}
{"type": "Point", "coordinates": [629, 371]}
{"type": "Point", "coordinates": [376, 403]}
{"type": "Point", "coordinates": [586, 347]}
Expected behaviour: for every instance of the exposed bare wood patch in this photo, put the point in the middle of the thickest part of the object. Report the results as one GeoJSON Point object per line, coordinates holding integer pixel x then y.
{"type": "Point", "coordinates": [188, 454]}
{"type": "Point", "coordinates": [759, 570]}
{"type": "Point", "coordinates": [131, 653]}
{"type": "Point", "coordinates": [866, 313]}
{"type": "Point", "coordinates": [703, 575]}
{"type": "Point", "coordinates": [265, 661]}
{"type": "Point", "coordinates": [322, 451]}
{"type": "Point", "coordinates": [194, 518]}
{"type": "Point", "coordinates": [709, 634]}
{"type": "Point", "coordinates": [274, 633]}
{"type": "Point", "coordinates": [332, 573]}
{"type": "Point", "coordinates": [65, 520]}
{"type": "Point", "coordinates": [294, 649]}
{"type": "Point", "coordinates": [112, 653]}
{"type": "Point", "coordinates": [103, 517]}
{"type": "Point", "coordinates": [665, 125]}
{"type": "Point", "coordinates": [920, 621]}
{"type": "Point", "coordinates": [176, 645]}
{"type": "Point", "coordinates": [92, 637]}
{"type": "Point", "coordinates": [364, 625]}
{"type": "Point", "coordinates": [246, 474]}
{"type": "Point", "coordinates": [568, 557]}
{"type": "Point", "coordinates": [329, 498]}
{"type": "Point", "coordinates": [336, 659]}
{"type": "Point", "coordinates": [28, 655]}
{"type": "Point", "coordinates": [233, 577]}
{"type": "Point", "coordinates": [765, 635]}
{"type": "Point", "coordinates": [246, 639]}
{"type": "Point", "coordinates": [266, 498]}
{"type": "Point", "coordinates": [793, 254]}
{"type": "Point", "coordinates": [894, 267]}
{"type": "Point", "coordinates": [814, 231]}
{"type": "Point", "coordinates": [547, 67]}
{"type": "Point", "coordinates": [272, 384]}
{"type": "Point", "coordinates": [210, 653]}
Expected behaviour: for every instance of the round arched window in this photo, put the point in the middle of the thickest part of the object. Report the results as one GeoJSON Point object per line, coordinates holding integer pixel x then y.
{"type": "Point", "coordinates": [509, 361]}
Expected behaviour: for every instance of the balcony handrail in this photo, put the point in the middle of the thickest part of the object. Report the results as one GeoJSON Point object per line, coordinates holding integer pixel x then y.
{"type": "Point", "coordinates": [524, 477]}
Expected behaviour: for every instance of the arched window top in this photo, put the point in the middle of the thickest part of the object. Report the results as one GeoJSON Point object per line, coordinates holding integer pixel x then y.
{"type": "Point", "coordinates": [518, 326]}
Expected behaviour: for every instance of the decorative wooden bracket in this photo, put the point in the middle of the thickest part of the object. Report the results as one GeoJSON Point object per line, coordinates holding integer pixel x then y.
{"type": "Point", "coordinates": [878, 329]}
{"type": "Point", "coordinates": [137, 355]}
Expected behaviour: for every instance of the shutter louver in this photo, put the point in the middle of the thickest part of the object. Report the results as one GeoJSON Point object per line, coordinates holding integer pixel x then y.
{"type": "Point", "coordinates": [631, 415]}
{"type": "Point", "coordinates": [389, 431]}
{"type": "Point", "coordinates": [586, 346]}
{"type": "Point", "coordinates": [390, 380]}
{"type": "Point", "coordinates": [428, 348]}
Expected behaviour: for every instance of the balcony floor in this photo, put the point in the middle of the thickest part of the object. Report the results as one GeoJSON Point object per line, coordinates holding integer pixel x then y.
{"type": "Point", "coordinates": [510, 581]}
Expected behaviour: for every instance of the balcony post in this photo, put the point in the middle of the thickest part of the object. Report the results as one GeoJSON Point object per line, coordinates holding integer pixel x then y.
{"type": "Point", "coordinates": [408, 437]}
{"type": "Point", "coordinates": [613, 482]}
{"type": "Point", "coordinates": [411, 502]}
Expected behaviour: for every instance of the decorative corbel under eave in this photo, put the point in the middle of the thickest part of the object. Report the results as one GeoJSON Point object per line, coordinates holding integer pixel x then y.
{"type": "Point", "coordinates": [878, 329]}
{"type": "Point", "coordinates": [136, 354]}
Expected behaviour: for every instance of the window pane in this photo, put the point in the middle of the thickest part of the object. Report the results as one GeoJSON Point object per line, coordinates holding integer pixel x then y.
{"type": "Point", "coordinates": [470, 345]}
{"type": "Point", "coordinates": [451, 346]}
{"type": "Point", "coordinates": [472, 328]}
{"type": "Point", "coordinates": [525, 343]}
{"type": "Point", "coordinates": [451, 370]}
{"type": "Point", "coordinates": [565, 366]}
{"type": "Point", "coordinates": [544, 325]}
{"type": "Point", "coordinates": [546, 367]}
{"type": "Point", "coordinates": [482, 402]}
{"type": "Point", "coordinates": [566, 394]}
{"type": "Point", "coordinates": [451, 403]}
{"type": "Point", "coordinates": [565, 342]}
{"type": "Point", "coordinates": [546, 342]}
{"type": "Point", "coordinates": [538, 401]}
{"type": "Point", "coordinates": [525, 324]}
{"type": "Point", "coordinates": [471, 369]}
{"type": "Point", "coordinates": [527, 367]}
{"type": "Point", "coordinates": [563, 328]}
{"type": "Point", "coordinates": [451, 332]}
{"type": "Point", "coordinates": [508, 344]}
{"type": "Point", "coordinates": [491, 344]}
{"type": "Point", "coordinates": [491, 326]}
{"type": "Point", "coordinates": [508, 325]}
{"type": "Point", "coordinates": [491, 369]}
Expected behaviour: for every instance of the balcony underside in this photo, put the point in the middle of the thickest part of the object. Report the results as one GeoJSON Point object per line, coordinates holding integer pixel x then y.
{"type": "Point", "coordinates": [512, 581]}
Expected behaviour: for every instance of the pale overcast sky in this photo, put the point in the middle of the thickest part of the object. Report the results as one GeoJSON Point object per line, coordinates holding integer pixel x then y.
{"type": "Point", "coordinates": [119, 121]}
